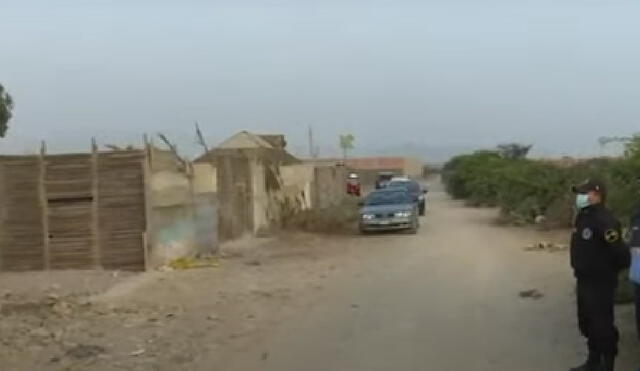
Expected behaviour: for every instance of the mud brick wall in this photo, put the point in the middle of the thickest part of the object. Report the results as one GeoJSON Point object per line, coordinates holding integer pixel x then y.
{"type": "Point", "coordinates": [183, 210]}
{"type": "Point", "coordinates": [235, 202]}
{"type": "Point", "coordinates": [329, 186]}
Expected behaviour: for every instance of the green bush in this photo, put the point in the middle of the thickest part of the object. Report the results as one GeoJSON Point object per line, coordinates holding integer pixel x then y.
{"type": "Point", "coordinates": [524, 189]}
{"type": "Point", "coordinates": [341, 218]}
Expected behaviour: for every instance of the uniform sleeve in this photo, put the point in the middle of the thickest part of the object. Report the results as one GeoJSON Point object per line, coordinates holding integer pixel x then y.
{"type": "Point", "coordinates": [634, 232]}
{"type": "Point", "coordinates": [612, 236]}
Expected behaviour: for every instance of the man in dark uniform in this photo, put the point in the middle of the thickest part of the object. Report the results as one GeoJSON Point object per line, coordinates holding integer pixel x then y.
{"type": "Point", "coordinates": [634, 272]}
{"type": "Point", "coordinates": [598, 253]}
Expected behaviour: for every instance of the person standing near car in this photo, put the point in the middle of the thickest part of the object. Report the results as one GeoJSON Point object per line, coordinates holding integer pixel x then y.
{"type": "Point", "coordinates": [598, 254]}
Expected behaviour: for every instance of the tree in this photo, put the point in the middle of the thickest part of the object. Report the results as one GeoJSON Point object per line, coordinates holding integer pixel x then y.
{"type": "Point", "coordinates": [346, 144]}
{"type": "Point", "coordinates": [632, 146]}
{"type": "Point", "coordinates": [6, 106]}
{"type": "Point", "coordinates": [514, 151]}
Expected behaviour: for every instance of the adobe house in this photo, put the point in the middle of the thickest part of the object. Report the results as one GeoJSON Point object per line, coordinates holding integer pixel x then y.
{"type": "Point", "coordinates": [205, 165]}
{"type": "Point", "coordinates": [369, 167]}
{"type": "Point", "coordinates": [247, 173]}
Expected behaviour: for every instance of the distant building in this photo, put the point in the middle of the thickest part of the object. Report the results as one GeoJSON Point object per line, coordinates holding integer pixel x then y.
{"type": "Point", "coordinates": [369, 167]}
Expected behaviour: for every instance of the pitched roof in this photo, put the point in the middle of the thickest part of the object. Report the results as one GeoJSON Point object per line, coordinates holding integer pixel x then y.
{"type": "Point", "coordinates": [276, 140]}
{"type": "Point", "coordinates": [247, 140]}
{"type": "Point", "coordinates": [244, 139]}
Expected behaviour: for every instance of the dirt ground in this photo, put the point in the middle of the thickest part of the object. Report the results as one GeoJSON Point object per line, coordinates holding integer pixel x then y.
{"type": "Point", "coordinates": [462, 294]}
{"type": "Point", "coordinates": [164, 320]}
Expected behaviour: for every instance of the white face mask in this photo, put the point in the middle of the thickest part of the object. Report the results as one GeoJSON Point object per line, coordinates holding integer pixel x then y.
{"type": "Point", "coordinates": [582, 201]}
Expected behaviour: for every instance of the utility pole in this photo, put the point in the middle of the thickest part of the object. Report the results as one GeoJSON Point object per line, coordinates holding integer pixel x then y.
{"type": "Point", "coordinates": [313, 150]}
{"type": "Point", "coordinates": [310, 133]}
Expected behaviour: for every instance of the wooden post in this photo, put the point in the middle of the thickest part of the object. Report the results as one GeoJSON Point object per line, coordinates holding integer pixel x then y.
{"type": "Point", "coordinates": [149, 147]}
{"type": "Point", "coordinates": [44, 207]}
{"type": "Point", "coordinates": [95, 211]}
{"type": "Point", "coordinates": [145, 245]}
{"type": "Point", "coordinates": [148, 237]}
{"type": "Point", "coordinates": [3, 217]}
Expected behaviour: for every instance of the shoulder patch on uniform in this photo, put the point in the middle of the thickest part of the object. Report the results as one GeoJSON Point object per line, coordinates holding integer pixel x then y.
{"type": "Point", "coordinates": [611, 235]}
{"type": "Point", "coordinates": [587, 233]}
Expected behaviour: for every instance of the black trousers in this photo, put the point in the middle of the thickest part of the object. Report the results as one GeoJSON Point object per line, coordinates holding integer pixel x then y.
{"type": "Point", "coordinates": [637, 286]}
{"type": "Point", "coordinates": [596, 316]}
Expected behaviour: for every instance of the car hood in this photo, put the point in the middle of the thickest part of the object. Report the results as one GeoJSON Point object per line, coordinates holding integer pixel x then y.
{"type": "Point", "coordinates": [381, 209]}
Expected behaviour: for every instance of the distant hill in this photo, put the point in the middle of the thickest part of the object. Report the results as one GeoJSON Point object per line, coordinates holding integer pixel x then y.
{"type": "Point", "coordinates": [434, 153]}
{"type": "Point", "coordinates": [430, 153]}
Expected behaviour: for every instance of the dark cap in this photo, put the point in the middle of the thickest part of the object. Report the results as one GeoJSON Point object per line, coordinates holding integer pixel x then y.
{"type": "Point", "coordinates": [590, 185]}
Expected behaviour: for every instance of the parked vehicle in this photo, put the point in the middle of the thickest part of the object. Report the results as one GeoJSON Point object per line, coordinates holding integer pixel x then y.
{"type": "Point", "coordinates": [400, 178]}
{"type": "Point", "coordinates": [417, 192]}
{"type": "Point", "coordinates": [354, 187]}
{"type": "Point", "coordinates": [389, 209]}
{"type": "Point", "coordinates": [383, 179]}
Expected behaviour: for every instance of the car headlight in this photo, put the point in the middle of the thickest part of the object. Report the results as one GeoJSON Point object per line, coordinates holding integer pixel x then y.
{"type": "Point", "coordinates": [368, 216]}
{"type": "Point", "coordinates": [403, 214]}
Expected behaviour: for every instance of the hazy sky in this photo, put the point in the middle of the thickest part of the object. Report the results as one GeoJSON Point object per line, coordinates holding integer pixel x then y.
{"type": "Point", "coordinates": [446, 73]}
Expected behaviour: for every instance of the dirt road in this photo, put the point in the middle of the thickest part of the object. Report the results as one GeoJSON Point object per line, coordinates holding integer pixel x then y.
{"type": "Point", "coordinates": [446, 299]}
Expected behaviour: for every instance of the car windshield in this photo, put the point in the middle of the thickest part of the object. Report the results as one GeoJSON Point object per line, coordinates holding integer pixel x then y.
{"type": "Point", "coordinates": [412, 187]}
{"type": "Point", "coordinates": [387, 198]}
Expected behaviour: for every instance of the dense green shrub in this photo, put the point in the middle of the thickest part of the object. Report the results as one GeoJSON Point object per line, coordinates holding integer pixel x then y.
{"type": "Point", "coordinates": [341, 218]}
{"type": "Point", "coordinates": [524, 189]}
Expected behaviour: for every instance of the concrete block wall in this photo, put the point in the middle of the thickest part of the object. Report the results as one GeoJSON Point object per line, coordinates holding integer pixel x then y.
{"type": "Point", "coordinates": [260, 200]}
{"type": "Point", "coordinates": [298, 181]}
{"type": "Point", "coordinates": [329, 186]}
{"type": "Point", "coordinates": [205, 179]}
{"type": "Point", "coordinates": [234, 195]}
{"type": "Point", "coordinates": [183, 210]}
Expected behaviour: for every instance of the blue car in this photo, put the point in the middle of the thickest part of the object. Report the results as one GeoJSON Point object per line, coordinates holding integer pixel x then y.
{"type": "Point", "coordinates": [387, 210]}
{"type": "Point", "coordinates": [417, 192]}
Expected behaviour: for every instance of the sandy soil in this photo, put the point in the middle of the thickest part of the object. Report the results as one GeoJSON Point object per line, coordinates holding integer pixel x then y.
{"type": "Point", "coordinates": [160, 320]}
{"type": "Point", "coordinates": [462, 294]}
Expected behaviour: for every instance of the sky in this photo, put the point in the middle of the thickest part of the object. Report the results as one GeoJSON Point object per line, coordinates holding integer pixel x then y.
{"type": "Point", "coordinates": [401, 76]}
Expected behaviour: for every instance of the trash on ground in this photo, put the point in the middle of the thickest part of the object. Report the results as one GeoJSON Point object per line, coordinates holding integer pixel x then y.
{"type": "Point", "coordinates": [137, 353]}
{"type": "Point", "coordinates": [531, 294]}
{"type": "Point", "coordinates": [546, 246]}
{"type": "Point", "coordinates": [83, 351]}
{"type": "Point", "coordinates": [190, 263]}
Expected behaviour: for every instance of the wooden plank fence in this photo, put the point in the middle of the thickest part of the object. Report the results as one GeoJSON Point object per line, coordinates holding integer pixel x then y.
{"type": "Point", "coordinates": [73, 211]}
